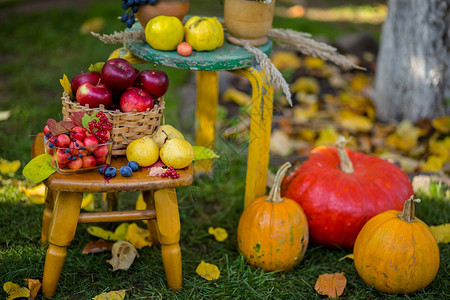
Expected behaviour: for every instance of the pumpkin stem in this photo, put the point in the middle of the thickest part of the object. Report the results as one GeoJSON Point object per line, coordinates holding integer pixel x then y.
{"type": "Point", "coordinates": [346, 165]}
{"type": "Point", "coordinates": [408, 213]}
{"type": "Point", "coordinates": [275, 192]}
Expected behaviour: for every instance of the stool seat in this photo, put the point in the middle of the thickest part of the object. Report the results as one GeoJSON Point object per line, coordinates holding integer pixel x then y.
{"type": "Point", "coordinates": [63, 205]}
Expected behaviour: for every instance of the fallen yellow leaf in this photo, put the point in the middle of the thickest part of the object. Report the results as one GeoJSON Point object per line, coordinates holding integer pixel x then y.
{"type": "Point", "coordinates": [92, 25]}
{"type": "Point", "coordinates": [65, 83]}
{"type": "Point", "coordinates": [440, 148]}
{"type": "Point", "coordinates": [88, 202]}
{"type": "Point", "coordinates": [442, 124]}
{"type": "Point", "coordinates": [433, 164]}
{"type": "Point", "coordinates": [327, 136]}
{"type": "Point", "coordinates": [354, 122]}
{"type": "Point", "coordinates": [308, 85]}
{"type": "Point", "coordinates": [119, 234]}
{"type": "Point", "coordinates": [284, 60]}
{"type": "Point", "coordinates": [219, 233]}
{"type": "Point", "coordinates": [37, 194]}
{"type": "Point", "coordinates": [359, 82]}
{"type": "Point", "coordinates": [314, 62]}
{"type": "Point", "coordinates": [331, 285]}
{"type": "Point", "coordinates": [123, 255]}
{"type": "Point", "coordinates": [15, 291]}
{"type": "Point", "coordinates": [127, 55]}
{"type": "Point", "coordinates": [304, 113]}
{"type": "Point", "coordinates": [9, 167]}
{"type": "Point", "coordinates": [280, 143]}
{"type": "Point", "coordinates": [349, 256]}
{"type": "Point", "coordinates": [34, 285]}
{"type": "Point", "coordinates": [236, 96]}
{"type": "Point", "coordinates": [208, 271]}
{"type": "Point", "coordinates": [441, 233]}
{"type": "Point", "coordinates": [140, 203]}
{"type": "Point", "coordinates": [113, 295]}
{"type": "Point", "coordinates": [139, 237]}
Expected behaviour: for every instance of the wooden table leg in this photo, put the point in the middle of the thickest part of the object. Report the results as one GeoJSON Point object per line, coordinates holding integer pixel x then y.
{"type": "Point", "coordinates": [48, 211]}
{"type": "Point", "coordinates": [110, 201]}
{"type": "Point", "coordinates": [260, 129]}
{"type": "Point", "coordinates": [151, 224]}
{"type": "Point", "coordinates": [206, 115]}
{"type": "Point", "coordinates": [61, 233]}
{"type": "Point", "coordinates": [168, 223]}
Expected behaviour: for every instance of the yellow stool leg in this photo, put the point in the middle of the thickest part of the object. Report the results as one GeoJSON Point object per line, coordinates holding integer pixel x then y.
{"type": "Point", "coordinates": [206, 113]}
{"type": "Point", "coordinates": [151, 224]}
{"type": "Point", "coordinates": [260, 129]}
{"type": "Point", "coordinates": [61, 233]}
{"type": "Point", "coordinates": [46, 218]}
{"type": "Point", "coordinates": [168, 223]}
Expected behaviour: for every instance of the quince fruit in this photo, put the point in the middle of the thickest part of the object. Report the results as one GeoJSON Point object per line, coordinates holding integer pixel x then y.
{"type": "Point", "coordinates": [164, 33]}
{"type": "Point", "coordinates": [204, 33]}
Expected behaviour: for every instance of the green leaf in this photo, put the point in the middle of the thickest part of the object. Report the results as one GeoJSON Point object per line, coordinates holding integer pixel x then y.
{"type": "Point", "coordinates": [201, 152]}
{"type": "Point", "coordinates": [39, 168]}
{"type": "Point", "coordinates": [97, 67]}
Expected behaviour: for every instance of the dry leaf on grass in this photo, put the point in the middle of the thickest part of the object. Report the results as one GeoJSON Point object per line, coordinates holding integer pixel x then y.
{"type": "Point", "coordinates": [349, 256]}
{"type": "Point", "coordinates": [441, 233]}
{"type": "Point", "coordinates": [9, 167]}
{"type": "Point", "coordinates": [36, 194]}
{"type": "Point", "coordinates": [34, 285]}
{"type": "Point", "coordinates": [88, 202]}
{"type": "Point", "coordinates": [97, 247]}
{"type": "Point", "coordinates": [123, 255]}
{"type": "Point", "coordinates": [140, 203]}
{"type": "Point", "coordinates": [119, 234]}
{"type": "Point", "coordinates": [219, 233]}
{"type": "Point", "coordinates": [113, 295]}
{"type": "Point", "coordinates": [331, 285]}
{"type": "Point", "coordinates": [138, 237]}
{"type": "Point", "coordinates": [15, 291]}
{"type": "Point", "coordinates": [208, 271]}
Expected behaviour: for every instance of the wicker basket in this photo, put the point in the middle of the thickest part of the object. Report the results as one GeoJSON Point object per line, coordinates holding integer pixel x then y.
{"type": "Point", "coordinates": [126, 126]}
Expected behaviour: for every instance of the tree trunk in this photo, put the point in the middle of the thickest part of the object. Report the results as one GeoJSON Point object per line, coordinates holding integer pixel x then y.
{"type": "Point", "coordinates": [413, 75]}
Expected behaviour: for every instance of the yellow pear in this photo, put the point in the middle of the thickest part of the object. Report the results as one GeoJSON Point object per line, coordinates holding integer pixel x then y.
{"type": "Point", "coordinates": [177, 153]}
{"type": "Point", "coordinates": [143, 151]}
{"type": "Point", "coordinates": [166, 131]}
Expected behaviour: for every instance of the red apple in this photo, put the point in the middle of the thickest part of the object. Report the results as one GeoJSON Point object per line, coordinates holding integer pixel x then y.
{"type": "Point", "coordinates": [90, 143]}
{"type": "Point", "coordinates": [78, 133]}
{"type": "Point", "coordinates": [62, 140]}
{"type": "Point", "coordinates": [62, 157]}
{"type": "Point", "coordinates": [90, 76]}
{"type": "Point", "coordinates": [75, 164]}
{"type": "Point", "coordinates": [154, 82]}
{"type": "Point", "coordinates": [94, 95]}
{"type": "Point", "coordinates": [135, 99]}
{"type": "Point", "coordinates": [100, 160]}
{"type": "Point", "coordinates": [77, 147]}
{"type": "Point", "coordinates": [184, 49]}
{"type": "Point", "coordinates": [88, 161]}
{"type": "Point", "coordinates": [101, 151]}
{"type": "Point", "coordinates": [48, 150]}
{"type": "Point", "coordinates": [46, 130]}
{"type": "Point", "coordinates": [118, 74]}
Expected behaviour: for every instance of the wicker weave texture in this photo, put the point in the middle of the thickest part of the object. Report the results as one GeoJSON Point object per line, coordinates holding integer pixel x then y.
{"type": "Point", "coordinates": [127, 127]}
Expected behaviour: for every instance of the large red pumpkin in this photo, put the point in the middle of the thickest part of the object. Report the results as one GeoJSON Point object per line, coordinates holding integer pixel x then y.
{"type": "Point", "coordinates": [340, 190]}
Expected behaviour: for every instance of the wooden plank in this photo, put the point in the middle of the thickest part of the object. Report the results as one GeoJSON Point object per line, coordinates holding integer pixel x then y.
{"type": "Point", "coordinates": [117, 216]}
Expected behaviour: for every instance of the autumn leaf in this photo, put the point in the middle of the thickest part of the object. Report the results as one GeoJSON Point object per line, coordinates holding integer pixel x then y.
{"type": "Point", "coordinates": [9, 167]}
{"type": "Point", "coordinates": [95, 24]}
{"type": "Point", "coordinates": [139, 237]}
{"type": "Point", "coordinates": [280, 143]}
{"type": "Point", "coordinates": [442, 124]}
{"type": "Point", "coordinates": [354, 122]}
{"type": "Point", "coordinates": [59, 127]}
{"type": "Point", "coordinates": [201, 152]}
{"type": "Point", "coordinates": [236, 96]}
{"type": "Point", "coordinates": [359, 82]}
{"type": "Point", "coordinates": [39, 168]}
{"type": "Point", "coordinates": [34, 285]}
{"type": "Point", "coordinates": [349, 256]}
{"type": "Point", "coordinates": [331, 285]}
{"type": "Point", "coordinates": [156, 171]}
{"type": "Point", "coordinates": [65, 83]}
{"type": "Point", "coordinates": [113, 295]}
{"type": "Point", "coordinates": [124, 53]}
{"type": "Point", "coordinates": [37, 194]}
{"type": "Point", "coordinates": [97, 247]}
{"type": "Point", "coordinates": [433, 164]}
{"type": "Point", "coordinates": [15, 291]}
{"type": "Point", "coordinates": [285, 60]}
{"type": "Point", "coordinates": [123, 255]}
{"type": "Point", "coordinates": [307, 85]}
{"type": "Point", "coordinates": [219, 233]}
{"type": "Point", "coordinates": [119, 234]}
{"type": "Point", "coordinates": [208, 271]}
{"type": "Point", "coordinates": [4, 115]}
{"type": "Point", "coordinates": [327, 136]}
{"type": "Point", "coordinates": [441, 233]}
{"type": "Point", "coordinates": [140, 203]}
{"type": "Point", "coordinates": [314, 62]}
{"type": "Point", "coordinates": [88, 202]}
{"type": "Point", "coordinates": [76, 117]}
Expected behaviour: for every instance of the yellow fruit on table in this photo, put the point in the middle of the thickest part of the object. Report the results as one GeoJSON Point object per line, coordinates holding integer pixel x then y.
{"type": "Point", "coordinates": [203, 33]}
{"type": "Point", "coordinates": [164, 33]}
{"type": "Point", "coordinates": [143, 151]}
{"type": "Point", "coordinates": [177, 153]}
{"type": "Point", "coordinates": [166, 131]}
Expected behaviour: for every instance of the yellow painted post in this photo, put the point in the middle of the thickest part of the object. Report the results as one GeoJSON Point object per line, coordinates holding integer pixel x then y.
{"type": "Point", "coordinates": [206, 115]}
{"type": "Point", "coordinates": [259, 137]}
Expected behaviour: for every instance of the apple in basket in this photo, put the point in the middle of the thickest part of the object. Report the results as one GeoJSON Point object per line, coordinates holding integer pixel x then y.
{"type": "Point", "coordinates": [154, 82]}
{"type": "Point", "coordinates": [90, 76]}
{"type": "Point", "coordinates": [135, 99]}
{"type": "Point", "coordinates": [118, 74]}
{"type": "Point", "coordinates": [94, 95]}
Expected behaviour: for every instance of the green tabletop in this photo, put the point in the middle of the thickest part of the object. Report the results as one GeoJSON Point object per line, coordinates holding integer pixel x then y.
{"type": "Point", "coordinates": [227, 57]}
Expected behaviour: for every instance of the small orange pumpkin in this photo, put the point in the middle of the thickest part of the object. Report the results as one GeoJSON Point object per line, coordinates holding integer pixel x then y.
{"type": "Point", "coordinates": [395, 252]}
{"type": "Point", "coordinates": [273, 231]}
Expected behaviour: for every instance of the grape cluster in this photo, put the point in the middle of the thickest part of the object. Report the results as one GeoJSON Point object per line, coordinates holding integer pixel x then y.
{"type": "Point", "coordinates": [170, 173]}
{"type": "Point", "coordinates": [132, 7]}
{"type": "Point", "coordinates": [100, 128]}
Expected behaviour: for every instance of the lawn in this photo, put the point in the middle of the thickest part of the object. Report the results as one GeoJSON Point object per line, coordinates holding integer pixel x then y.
{"type": "Point", "coordinates": [37, 48]}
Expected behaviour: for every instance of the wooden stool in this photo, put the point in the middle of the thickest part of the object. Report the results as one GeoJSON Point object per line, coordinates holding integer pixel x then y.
{"type": "Point", "coordinates": [235, 59]}
{"type": "Point", "coordinates": [62, 214]}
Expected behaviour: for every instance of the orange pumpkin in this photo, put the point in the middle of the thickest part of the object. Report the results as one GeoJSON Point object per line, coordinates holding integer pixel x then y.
{"type": "Point", "coordinates": [395, 252]}
{"type": "Point", "coordinates": [273, 231]}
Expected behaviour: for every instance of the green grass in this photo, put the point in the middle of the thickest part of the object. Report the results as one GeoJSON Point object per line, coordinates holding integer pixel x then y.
{"type": "Point", "coordinates": [36, 49]}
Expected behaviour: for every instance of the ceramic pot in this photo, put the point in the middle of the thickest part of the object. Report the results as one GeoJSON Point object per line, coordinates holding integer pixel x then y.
{"type": "Point", "coordinates": [177, 8]}
{"type": "Point", "coordinates": [248, 20]}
